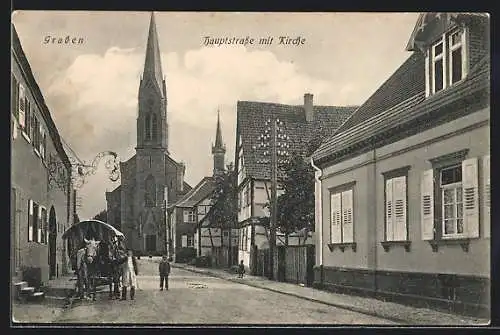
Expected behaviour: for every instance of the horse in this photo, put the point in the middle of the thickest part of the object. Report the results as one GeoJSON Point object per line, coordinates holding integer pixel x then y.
{"type": "Point", "coordinates": [113, 256]}
{"type": "Point", "coordinates": [87, 266]}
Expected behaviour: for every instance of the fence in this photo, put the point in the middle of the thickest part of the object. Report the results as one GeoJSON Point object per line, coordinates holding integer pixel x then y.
{"type": "Point", "coordinates": [293, 264]}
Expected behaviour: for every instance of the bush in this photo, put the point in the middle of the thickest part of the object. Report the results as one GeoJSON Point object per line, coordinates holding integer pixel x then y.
{"type": "Point", "coordinates": [184, 255]}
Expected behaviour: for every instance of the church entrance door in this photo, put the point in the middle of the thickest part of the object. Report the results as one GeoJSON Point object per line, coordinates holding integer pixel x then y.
{"type": "Point", "coordinates": [150, 243]}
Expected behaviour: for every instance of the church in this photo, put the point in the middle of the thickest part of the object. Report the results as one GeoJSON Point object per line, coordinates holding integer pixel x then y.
{"type": "Point", "coordinates": [151, 179]}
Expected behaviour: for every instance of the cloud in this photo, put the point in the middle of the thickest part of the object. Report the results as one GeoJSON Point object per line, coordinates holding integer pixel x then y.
{"type": "Point", "coordinates": [94, 102]}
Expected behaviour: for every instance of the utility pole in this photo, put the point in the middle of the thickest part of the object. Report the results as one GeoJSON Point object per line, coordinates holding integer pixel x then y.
{"type": "Point", "coordinates": [274, 186]}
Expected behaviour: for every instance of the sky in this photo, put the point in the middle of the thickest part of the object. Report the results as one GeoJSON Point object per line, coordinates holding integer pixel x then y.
{"type": "Point", "coordinates": [91, 88]}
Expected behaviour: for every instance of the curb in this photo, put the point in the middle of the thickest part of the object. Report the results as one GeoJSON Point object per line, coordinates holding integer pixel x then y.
{"type": "Point", "coordinates": [349, 308]}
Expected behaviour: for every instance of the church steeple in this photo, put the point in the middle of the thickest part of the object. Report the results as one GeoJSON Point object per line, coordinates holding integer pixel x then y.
{"type": "Point", "coordinates": [152, 125]}
{"type": "Point", "coordinates": [218, 149]}
{"type": "Point", "coordinates": [152, 64]}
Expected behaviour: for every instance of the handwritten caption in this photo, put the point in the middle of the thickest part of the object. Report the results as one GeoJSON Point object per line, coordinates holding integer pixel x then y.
{"type": "Point", "coordinates": [247, 40]}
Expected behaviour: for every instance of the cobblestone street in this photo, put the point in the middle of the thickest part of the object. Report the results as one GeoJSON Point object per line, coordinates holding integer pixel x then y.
{"type": "Point", "coordinates": [200, 299]}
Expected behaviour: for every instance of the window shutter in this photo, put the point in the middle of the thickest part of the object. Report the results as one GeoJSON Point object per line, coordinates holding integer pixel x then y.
{"type": "Point", "coordinates": [427, 205]}
{"type": "Point", "coordinates": [399, 221]}
{"type": "Point", "coordinates": [470, 196]}
{"type": "Point", "coordinates": [427, 75]}
{"type": "Point", "coordinates": [42, 134]}
{"type": "Point", "coordinates": [336, 218]}
{"type": "Point", "coordinates": [39, 225]}
{"type": "Point", "coordinates": [389, 231]}
{"type": "Point", "coordinates": [487, 196]}
{"type": "Point", "coordinates": [30, 220]}
{"type": "Point", "coordinates": [347, 217]}
{"type": "Point", "coordinates": [22, 107]}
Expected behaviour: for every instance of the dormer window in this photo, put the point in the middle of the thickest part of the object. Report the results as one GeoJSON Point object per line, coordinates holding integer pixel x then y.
{"type": "Point", "coordinates": [446, 61]}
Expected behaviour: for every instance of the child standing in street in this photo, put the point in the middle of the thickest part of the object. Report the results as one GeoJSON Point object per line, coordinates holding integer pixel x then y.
{"type": "Point", "coordinates": [241, 269]}
{"type": "Point", "coordinates": [164, 270]}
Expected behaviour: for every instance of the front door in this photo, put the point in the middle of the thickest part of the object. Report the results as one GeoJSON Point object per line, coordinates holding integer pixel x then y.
{"type": "Point", "coordinates": [52, 243]}
{"type": "Point", "coordinates": [150, 243]}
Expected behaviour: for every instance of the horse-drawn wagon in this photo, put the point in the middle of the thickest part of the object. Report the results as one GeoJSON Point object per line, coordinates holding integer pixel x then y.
{"type": "Point", "coordinates": [95, 249]}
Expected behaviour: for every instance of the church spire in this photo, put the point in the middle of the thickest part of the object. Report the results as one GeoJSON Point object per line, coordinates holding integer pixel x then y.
{"type": "Point", "coordinates": [218, 149]}
{"type": "Point", "coordinates": [152, 64]}
{"type": "Point", "coordinates": [218, 134]}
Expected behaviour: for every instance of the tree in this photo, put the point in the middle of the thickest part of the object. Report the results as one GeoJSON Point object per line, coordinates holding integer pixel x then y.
{"type": "Point", "coordinates": [296, 204]}
{"type": "Point", "coordinates": [102, 216]}
{"type": "Point", "coordinates": [223, 213]}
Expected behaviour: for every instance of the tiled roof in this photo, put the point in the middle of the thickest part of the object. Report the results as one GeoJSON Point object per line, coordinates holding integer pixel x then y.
{"type": "Point", "coordinates": [201, 191]}
{"type": "Point", "coordinates": [251, 120]}
{"type": "Point", "coordinates": [409, 110]}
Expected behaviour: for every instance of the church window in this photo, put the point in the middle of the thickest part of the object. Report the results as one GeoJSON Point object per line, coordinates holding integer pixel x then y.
{"type": "Point", "coordinates": [154, 127]}
{"type": "Point", "coordinates": [147, 128]}
{"type": "Point", "coordinates": [150, 192]}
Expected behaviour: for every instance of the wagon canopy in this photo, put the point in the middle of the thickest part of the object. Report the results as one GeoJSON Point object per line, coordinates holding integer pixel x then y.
{"type": "Point", "coordinates": [99, 230]}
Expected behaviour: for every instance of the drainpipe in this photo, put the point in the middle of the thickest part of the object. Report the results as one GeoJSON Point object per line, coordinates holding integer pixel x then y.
{"type": "Point", "coordinates": [318, 217]}
{"type": "Point", "coordinates": [375, 255]}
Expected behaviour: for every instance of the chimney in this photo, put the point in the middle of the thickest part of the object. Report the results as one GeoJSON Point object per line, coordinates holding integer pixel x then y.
{"type": "Point", "coordinates": [308, 107]}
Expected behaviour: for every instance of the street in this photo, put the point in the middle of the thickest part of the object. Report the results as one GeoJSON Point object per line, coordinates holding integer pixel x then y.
{"type": "Point", "coordinates": [198, 299]}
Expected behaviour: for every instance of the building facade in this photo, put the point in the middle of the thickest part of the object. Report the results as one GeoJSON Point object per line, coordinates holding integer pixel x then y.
{"type": "Point", "coordinates": [151, 179]}
{"type": "Point", "coordinates": [42, 195]}
{"type": "Point", "coordinates": [301, 126]}
{"type": "Point", "coordinates": [403, 187]}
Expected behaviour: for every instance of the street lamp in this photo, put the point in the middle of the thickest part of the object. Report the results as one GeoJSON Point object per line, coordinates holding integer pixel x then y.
{"type": "Point", "coordinates": [274, 144]}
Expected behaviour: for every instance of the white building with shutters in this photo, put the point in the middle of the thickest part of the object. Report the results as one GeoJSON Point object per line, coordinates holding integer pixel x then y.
{"type": "Point", "coordinates": [42, 195]}
{"type": "Point", "coordinates": [403, 186]}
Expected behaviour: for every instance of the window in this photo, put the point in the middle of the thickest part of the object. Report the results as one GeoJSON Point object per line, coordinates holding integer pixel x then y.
{"type": "Point", "coordinates": [341, 218]}
{"type": "Point", "coordinates": [154, 128]}
{"type": "Point", "coordinates": [190, 241]}
{"type": "Point", "coordinates": [396, 209]}
{"type": "Point", "coordinates": [44, 238]}
{"type": "Point", "coordinates": [35, 133]}
{"type": "Point", "coordinates": [147, 129]}
{"type": "Point", "coordinates": [22, 108]}
{"type": "Point", "coordinates": [226, 234]}
{"type": "Point", "coordinates": [452, 204]}
{"type": "Point", "coordinates": [151, 127]}
{"type": "Point", "coordinates": [446, 63]}
{"type": "Point", "coordinates": [487, 195]}
{"type": "Point", "coordinates": [150, 192]}
{"type": "Point", "coordinates": [34, 229]}
{"type": "Point", "coordinates": [189, 215]}
{"type": "Point", "coordinates": [14, 96]}
{"type": "Point", "coordinates": [450, 200]}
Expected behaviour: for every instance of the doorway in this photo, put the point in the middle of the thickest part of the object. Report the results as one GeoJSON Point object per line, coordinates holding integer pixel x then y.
{"type": "Point", "coordinates": [52, 243]}
{"type": "Point", "coordinates": [150, 243]}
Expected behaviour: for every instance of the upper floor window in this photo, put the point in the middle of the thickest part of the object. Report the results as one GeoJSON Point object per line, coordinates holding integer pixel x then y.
{"type": "Point", "coordinates": [446, 61]}
{"type": "Point", "coordinates": [151, 127]}
{"type": "Point", "coordinates": [189, 215]}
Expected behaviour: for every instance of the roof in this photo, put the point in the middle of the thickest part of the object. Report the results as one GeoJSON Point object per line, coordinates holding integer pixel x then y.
{"type": "Point", "coordinates": [414, 108]}
{"type": "Point", "coordinates": [98, 229]}
{"type": "Point", "coordinates": [251, 118]}
{"type": "Point", "coordinates": [201, 191]}
{"type": "Point", "coordinates": [152, 62]}
{"type": "Point", "coordinates": [418, 35]}
{"type": "Point", "coordinates": [38, 96]}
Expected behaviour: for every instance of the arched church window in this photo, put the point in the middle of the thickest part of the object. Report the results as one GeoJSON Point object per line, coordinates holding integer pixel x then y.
{"type": "Point", "coordinates": [147, 127]}
{"type": "Point", "coordinates": [154, 127]}
{"type": "Point", "coordinates": [150, 192]}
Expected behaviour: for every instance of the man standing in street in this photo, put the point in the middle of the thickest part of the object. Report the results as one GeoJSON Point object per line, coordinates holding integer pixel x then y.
{"type": "Point", "coordinates": [164, 270]}
{"type": "Point", "coordinates": [129, 274]}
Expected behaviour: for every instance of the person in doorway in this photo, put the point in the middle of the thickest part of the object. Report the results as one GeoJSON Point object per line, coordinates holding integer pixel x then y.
{"type": "Point", "coordinates": [164, 269]}
{"type": "Point", "coordinates": [241, 269]}
{"type": "Point", "coordinates": [129, 275]}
